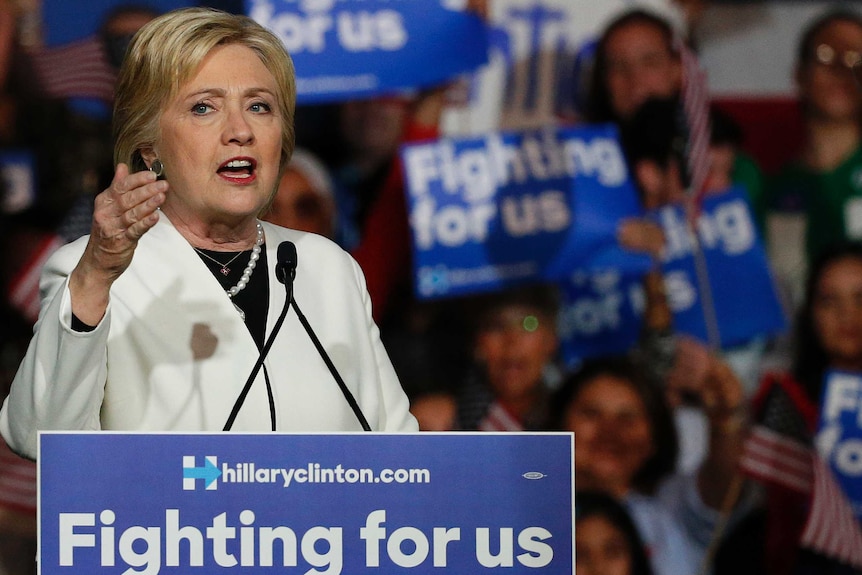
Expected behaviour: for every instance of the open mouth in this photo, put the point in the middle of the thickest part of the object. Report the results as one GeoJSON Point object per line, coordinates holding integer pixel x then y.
{"type": "Point", "coordinates": [239, 169]}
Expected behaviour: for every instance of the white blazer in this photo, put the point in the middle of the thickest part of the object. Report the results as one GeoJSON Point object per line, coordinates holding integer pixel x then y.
{"type": "Point", "coordinates": [172, 353]}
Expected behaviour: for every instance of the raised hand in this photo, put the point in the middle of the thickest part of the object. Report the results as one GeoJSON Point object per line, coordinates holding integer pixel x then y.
{"type": "Point", "coordinates": [123, 213]}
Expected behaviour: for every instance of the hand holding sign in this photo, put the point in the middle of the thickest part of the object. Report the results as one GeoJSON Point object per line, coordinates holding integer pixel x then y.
{"type": "Point", "coordinates": [642, 236]}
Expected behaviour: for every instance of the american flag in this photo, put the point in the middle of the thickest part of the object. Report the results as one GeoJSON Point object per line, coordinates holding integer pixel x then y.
{"type": "Point", "coordinates": [695, 107]}
{"type": "Point", "coordinates": [779, 451]}
{"type": "Point", "coordinates": [76, 70]}
{"type": "Point", "coordinates": [499, 419]}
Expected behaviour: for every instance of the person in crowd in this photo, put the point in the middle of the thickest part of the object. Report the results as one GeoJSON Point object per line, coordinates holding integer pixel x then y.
{"type": "Point", "coordinates": [381, 236]}
{"type": "Point", "coordinates": [176, 283]}
{"type": "Point", "coordinates": [637, 58]}
{"type": "Point", "coordinates": [652, 142]}
{"type": "Point", "coordinates": [435, 410]}
{"type": "Point", "coordinates": [829, 326]}
{"type": "Point", "coordinates": [828, 336]}
{"type": "Point", "coordinates": [822, 183]}
{"type": "Point", "coordinates": [358, 142]}
{"type": "Point", "coordinates": [627, 447]}
{"type": "Point", "coordinates": [514, 346]}
{"type": "Point", "coordinates": [607, 541]}
{"type": "Point", "coordinates": [304, 200]}
{"type": "Point", "coordinates": [729, 166]}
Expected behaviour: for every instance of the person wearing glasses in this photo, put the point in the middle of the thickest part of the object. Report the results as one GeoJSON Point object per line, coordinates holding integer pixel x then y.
{"type": "Point", "coordinates": [824, 182]}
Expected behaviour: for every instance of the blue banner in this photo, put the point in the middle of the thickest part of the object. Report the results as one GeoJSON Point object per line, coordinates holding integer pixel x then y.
{"type": "Point", "coordinates": [345, 49]}
{"type": "Point", "coordinates": [507, 208]}
{"type": "Point", "coordinates": [744, 297]}
{"type": "Point", "coordinates": [839, 434]}
{"type": "Point", "coordinates": [329, 504]}
{"type": "Point", "coordinates": [602, 312]}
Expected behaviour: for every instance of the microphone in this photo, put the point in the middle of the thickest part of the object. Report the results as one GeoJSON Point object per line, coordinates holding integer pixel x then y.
{"type": "Point", "coordinates": [285, 271]}
{"type": "Point", "coordinates": [286, 266]}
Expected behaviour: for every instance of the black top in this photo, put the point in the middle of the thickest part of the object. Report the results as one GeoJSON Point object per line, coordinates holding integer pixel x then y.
{"type": "Point", "coordinates": [254, 299]}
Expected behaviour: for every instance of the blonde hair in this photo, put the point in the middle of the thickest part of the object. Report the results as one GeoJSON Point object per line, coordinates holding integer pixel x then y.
{"type": "Point", "coordinates": [166, 53]}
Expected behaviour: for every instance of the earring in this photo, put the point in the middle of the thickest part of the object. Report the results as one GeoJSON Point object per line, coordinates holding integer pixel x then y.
{"type": "Point", "coordinates": [157, 168]}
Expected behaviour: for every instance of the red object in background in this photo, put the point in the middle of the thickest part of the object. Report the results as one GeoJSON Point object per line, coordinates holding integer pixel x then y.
{"type": "Point", "coordinates": [772, 128]}
{"type": "Point", "coordinates": [17, 481]}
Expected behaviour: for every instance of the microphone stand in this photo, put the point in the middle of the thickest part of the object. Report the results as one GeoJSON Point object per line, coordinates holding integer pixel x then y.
{"type": "Point", "coordinates": [285, 272]}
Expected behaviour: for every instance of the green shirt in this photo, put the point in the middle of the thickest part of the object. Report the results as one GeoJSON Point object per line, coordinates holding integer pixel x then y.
{"type": "Point", "coordinates": [747, 173]}
{"type": "Point", "coordinates": [832, 201]}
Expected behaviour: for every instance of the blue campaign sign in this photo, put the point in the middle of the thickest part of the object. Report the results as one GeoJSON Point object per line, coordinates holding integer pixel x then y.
{"type": "Point", "coordinates": [329, 504]}
{"type": "Point", "coordinates": [501, 209]}
{"type": "Point", "coordinates": [344, 49]}
{"type": "Point", "coordinates": [839, 434]}
{"type": "Point", "coordinates": [600, 314]}
{"type": "Point", "coordinates": [743, 293]}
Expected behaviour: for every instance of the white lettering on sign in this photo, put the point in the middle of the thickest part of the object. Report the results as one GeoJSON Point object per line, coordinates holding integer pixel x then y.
{"type": "Point", "coordinates": [843, 395]}
{"type": "Point", "coordinates": [360, 31]}
{"type": "Point", "coordinates": [531, 540]}
{"type": "Point", "coordinates": [140, 547]}
{"type": "Point", "coordinates": [367, 31]}
{"type": "Point", "coordinates": [474, 175]}
{"type": "Point", "coordinates": [728, 228]}
{"type": "Point", "coordinates": [145, 549]}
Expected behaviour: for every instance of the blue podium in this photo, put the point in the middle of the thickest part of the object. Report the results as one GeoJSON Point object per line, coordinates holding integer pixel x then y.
{"type": "Point", "coordinates": [461, 503]}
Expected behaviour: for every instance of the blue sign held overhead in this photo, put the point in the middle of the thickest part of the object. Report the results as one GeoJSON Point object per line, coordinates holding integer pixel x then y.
{"type": "Point", "coordinates": [346, 49]}
{"type": "Point", "coordinates": [507, 208]}
{"type": "Point", "coordinates": [744, 295]}
{"type": "Point", "coordinates": [362, 503]}
{"type": "Point", "coordinates": [602, 311]}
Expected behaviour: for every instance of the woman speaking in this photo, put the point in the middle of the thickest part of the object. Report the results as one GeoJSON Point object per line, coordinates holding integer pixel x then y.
{"type": "Point", "coordinates": [162, 319]}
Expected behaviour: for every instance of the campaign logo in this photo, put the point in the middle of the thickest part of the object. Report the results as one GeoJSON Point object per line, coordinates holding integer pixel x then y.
{"type": "Point", "coordinates": [208, 472]}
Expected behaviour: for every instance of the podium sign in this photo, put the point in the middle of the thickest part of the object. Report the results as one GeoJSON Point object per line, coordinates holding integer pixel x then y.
{"type": "Point", "coordinates": [424, 503]}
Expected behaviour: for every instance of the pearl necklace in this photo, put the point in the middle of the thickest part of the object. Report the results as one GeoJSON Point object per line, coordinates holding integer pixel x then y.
{"type": "Point", "coordinates": [246, 273]}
